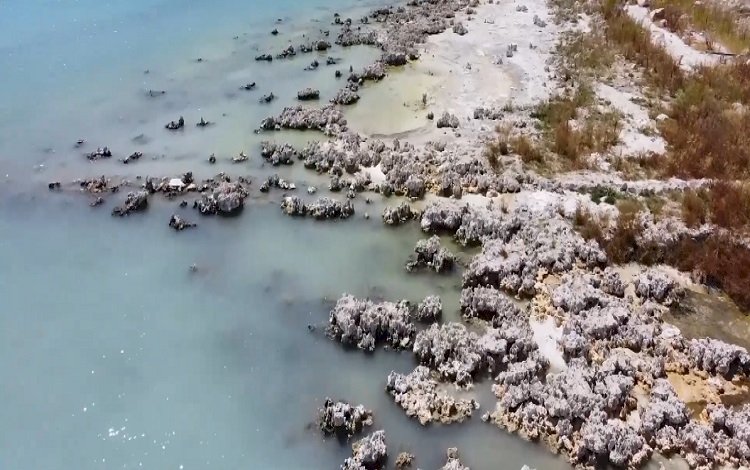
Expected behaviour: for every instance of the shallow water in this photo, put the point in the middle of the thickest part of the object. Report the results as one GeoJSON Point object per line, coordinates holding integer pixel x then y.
{"type": "Point", "coordinates": [116, 355]}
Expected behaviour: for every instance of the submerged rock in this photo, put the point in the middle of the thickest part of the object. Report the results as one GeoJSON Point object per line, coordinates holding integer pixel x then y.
{"type": "Point", "coordinates": [453, 463]}
{"type": "Point", "coordinates": [134, 202]}
{"type": "Point", "coordinates": [175, 125]}
{"type": "Point", "coordinates": [404, 461]}
{"type": "Point", "coordinates": [180, 224]}
{"type": "Point", "coordinates": [368, 453]}
{"type": "Point", "coordinates": [342, 418]}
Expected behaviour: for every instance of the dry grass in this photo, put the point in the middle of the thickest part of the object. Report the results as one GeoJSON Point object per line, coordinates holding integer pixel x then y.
{"type": "Point", "coordinates": [506, 142]}
{"type": "Point", "coordinates": [719, 261]}
{"type": "Point", "coordinates": [725, 204]}
{"type": "Point", "coordinates": [720, 24]}
{"type": "Point", "coordinates": [634, 43]}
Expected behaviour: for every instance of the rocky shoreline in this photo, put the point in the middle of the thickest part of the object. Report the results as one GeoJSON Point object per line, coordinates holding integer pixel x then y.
{"type": "Point", "coordinates": [604, 394]}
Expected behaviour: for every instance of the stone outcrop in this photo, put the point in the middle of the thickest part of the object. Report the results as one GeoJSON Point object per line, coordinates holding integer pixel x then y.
{"type": "Point", "coordinates": [368, 453]}
{"type": "Point", "coordinates": [431, 254]}
{"type": "Point", "coordinates": [421, 398]}
{"type": "Point", "coordinates": [364, 323]}
{"type": "Point", "coordinates": [341, 418]}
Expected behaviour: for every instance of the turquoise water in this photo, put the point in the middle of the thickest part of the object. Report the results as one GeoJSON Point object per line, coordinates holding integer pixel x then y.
{"type": "Point", "coordinates": [113, 354]}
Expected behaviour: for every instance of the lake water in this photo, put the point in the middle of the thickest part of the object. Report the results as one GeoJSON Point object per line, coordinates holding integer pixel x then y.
{"type": "Point", "coordinates": [113, 353]}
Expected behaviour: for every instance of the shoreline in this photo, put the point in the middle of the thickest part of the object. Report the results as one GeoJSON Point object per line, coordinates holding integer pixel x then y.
{"type": "Point", "coordinates": [586, 365]}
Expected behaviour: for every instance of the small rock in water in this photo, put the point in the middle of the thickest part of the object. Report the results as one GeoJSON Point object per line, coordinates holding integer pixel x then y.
{"type": "Point", "coordinates": [248, 86]}
{"type": "Point", "coordinates": [275, 32]}
{"type": "Point", "coordinates": [268, 98]}
{"type": "Point", "coordinates": [175, 125]}
{"type": "Point", "coordinates": [212, 159]}
{"type": "Point", "coordinates": [203, 123]}
{"type": "Point", "coordinates": [54, 185]}
{"type": "Point", "coordinates": [308, 94]}
{"type": "Point", "coordinates": [312, 190]}
{"type": "Point", "coordinates": [264, 57]}
{"type": "Point", "coordinates": [180, 224]}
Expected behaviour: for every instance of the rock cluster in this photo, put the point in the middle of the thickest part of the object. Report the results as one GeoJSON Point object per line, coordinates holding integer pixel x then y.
{"type": "Point", "coordinates": [368, 453]}
{"type": "Point", "coordinates": [226, 199]}
{"type": "Point", "coordinates": [398, 215]}
{"type": "Point", "coordinates": [327, 119]}
{"type": "Point", "coordinates": [429, 310]}
{"type": "Point", "coordinates": [421, 398]}
{"type": "Point", "coordinates": [431, 254]}
{"type": "Point", "coordinates": [322, 209]}
{"type": "Point", "coordinates": [364, 323]}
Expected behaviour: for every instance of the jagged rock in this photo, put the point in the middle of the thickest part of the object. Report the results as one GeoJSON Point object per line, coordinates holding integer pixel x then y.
{"type": "Point", "coordinates": [453, 463]}
{"type": "Point", "coordinates": [343, 419]}
{"type": "Point", "coordinates": [275, 154]}
{"type": "Point", "coordinates": [327, 119]}
{"type": "Point", "coordinates": [364, 324]}
{"type": "Point", "coordinates": [100, 152]}
{"type": "Point", "coordinates": [179, 224]}
{"type": "Point", "coordinates": [134, 202]}
{"type": "Point", "coordinates": [369, 453]}
{"type": "Point", "coordinates": [539, 22]}
{"type": "Point", "coordinates": [345, 96]}
{"type": "Point", "coordinates": [430, 254]}
{"type": "Point", "coordinates": [226, 199]}
{"type": "Point", "coordinates": [612, 441]}
{"type": "Point", "coordinates": [175, 125]}
{"type": "Point", "coordinates": [264, 57]}
{"type": "Point", "coordinates": [308, 94]}
{"type": "Point", "coordinates": [404, 461]}
{"type": "Point", "coordinates": [293, 205]}
{"type": "Point", "coordinates": [718, 357]}
{"type": "Point", "coordinates": [394, 59]}
{"type": "Point", "coordinates": [327, 208]}
{"type": "Point", "coordinates": [612, 283]}
{"type": "Point", "coordinates": [656, 285]}
{"type": "Point", "coordinates": [419, 395]}
{"type": "Point", "coordinates": [267, 98]}
{"type": "Point", "coordinates": [663, 417]}
{"type": "Point", "coordinates": [460, 29]}
{"type": "Point", "coordinates": [429, 310]}
{"type": "Point", "coordinates": [447, 120]}
{"type": "Point", "coordinates": [135, 156]}
{"type": "Point", "coordinates": [489, 304]}
{"type": "Point", "coordinates": [398, 215]}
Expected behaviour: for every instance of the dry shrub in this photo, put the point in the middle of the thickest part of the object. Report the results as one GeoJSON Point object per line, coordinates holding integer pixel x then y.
{"type": "Point", "coordinates": [730, 205]}
{"type": "Point", "coordinates": [588, 226]}
{"type": "Point", "coordinates": [675, 18]}
{"type": "Point", "coordinates": [706, 138]}
{"type": "Point", "coordinates": [720, 261]}
{"type": "Point", "coordinates": [526, 149]}
{"type": "Point", "coordinates": [634, 42]}
{"type": "Point", "coordinates": [694, 209]}
{"type": "Point", "coordinates": [719, 22]}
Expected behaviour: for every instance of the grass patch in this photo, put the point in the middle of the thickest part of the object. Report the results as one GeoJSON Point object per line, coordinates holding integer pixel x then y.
{"type": "Point", "coordinates": [720, 24]}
